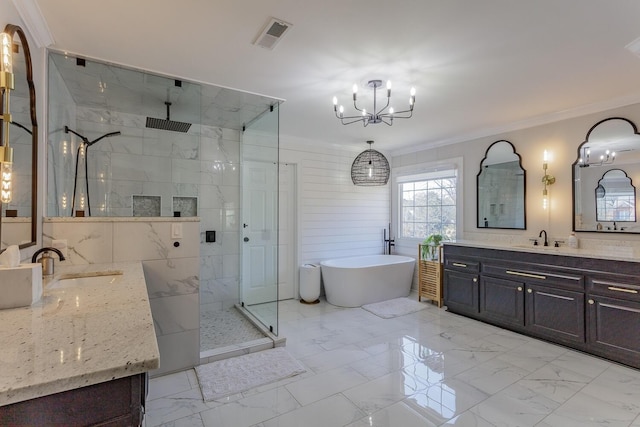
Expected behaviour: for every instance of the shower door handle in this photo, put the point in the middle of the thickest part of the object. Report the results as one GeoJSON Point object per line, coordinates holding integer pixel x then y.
{"type": "Point", "coordinates": [246, 239]}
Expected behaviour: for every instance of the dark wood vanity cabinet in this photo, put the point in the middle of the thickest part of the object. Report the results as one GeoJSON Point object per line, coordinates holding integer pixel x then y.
{"type": "Point", "coordinates": [613, 317]}
{"type": "Point", "coordinates": [118, 402]}
{"type": "Point", "coordinates": [460, 285]}
{"type": "Point", "coordinates": [583, 303]}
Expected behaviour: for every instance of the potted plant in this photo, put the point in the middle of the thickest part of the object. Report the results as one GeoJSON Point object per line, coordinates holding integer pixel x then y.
{"type": "Point", "coordinates": [430, 246]}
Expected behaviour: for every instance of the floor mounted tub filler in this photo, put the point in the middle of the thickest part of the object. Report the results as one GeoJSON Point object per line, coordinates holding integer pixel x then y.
{"type": "Point", "coordinates": [355, 281]}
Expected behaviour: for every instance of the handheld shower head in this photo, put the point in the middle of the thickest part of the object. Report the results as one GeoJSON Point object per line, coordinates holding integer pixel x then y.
{"type": "Point", "coordinates": [83, 138]}
{"type": "Point", "coordinates": [106, 135]}
{"type": "Point", "coordinates": [86, 140]}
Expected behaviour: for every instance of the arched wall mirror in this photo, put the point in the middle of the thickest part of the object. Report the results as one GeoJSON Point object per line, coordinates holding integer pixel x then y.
{"type": "Point", "coordinates": [607, 163]}
{"type": "Point", "coordinates": [18, 217]}
{"type": "Point", "coordinates": [501, 188]}
{"type": "Point", "coordinates": [615, 199]}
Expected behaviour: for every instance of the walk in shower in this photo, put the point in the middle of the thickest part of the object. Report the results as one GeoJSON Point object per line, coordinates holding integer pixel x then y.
{"type": "Point", "coordinates": [179, 149]}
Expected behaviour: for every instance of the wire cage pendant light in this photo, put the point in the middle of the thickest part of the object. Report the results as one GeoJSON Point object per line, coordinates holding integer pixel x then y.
{"type": "Point", "coordinates": [384, 115]}
{"type": "Point", "coordinates": [370, 168]}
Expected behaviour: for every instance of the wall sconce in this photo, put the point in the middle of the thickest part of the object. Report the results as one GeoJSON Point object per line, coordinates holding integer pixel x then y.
{"type": "Point", "coordinates": [547, 180]}
{"type": "Point", "coordinates": [6, 85]}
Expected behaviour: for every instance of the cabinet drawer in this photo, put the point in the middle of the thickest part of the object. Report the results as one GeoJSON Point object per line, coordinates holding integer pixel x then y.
{"type": "Point", "coordinates": [556, 313]}
{"type": "Point", "coordinates": [616, 286]}
{"type": "Point", "coordinates": [461, 264]}
{"type": "Point", "coordinates": [531, 274]}
{"type": "Point", "coordinates": [613, 326]}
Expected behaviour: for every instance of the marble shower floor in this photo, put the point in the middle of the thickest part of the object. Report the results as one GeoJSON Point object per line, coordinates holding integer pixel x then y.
{"type": "Point", "coordinates": [222, 328]}
{"type": "Point", "coordinates": [430, 368]}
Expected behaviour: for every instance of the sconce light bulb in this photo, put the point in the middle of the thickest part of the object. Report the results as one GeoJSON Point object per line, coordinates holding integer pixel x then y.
{"type": "Point", "coordinates": [545, 156]}
{"type": "Point", "coordinates": [7, 52]}
{"type": "Point", "coordinates": [388, 84]}
{"type": "Point", "coordinates": [412, 92]}
{"type": "Point", "coordinates": [355, 88]}
{"type": "Point", "coordinates": [613, 154]}
{"type": "Point", "coordinates": [6, 183]}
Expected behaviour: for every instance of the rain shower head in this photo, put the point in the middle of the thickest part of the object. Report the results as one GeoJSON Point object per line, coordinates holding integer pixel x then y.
{"type": "Point", "coordinates": [168, 124]}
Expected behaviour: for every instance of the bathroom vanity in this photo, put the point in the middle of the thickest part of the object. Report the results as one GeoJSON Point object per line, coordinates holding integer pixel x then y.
{"type": "Point", "coordinates": [80, 355]}
{"type": "Point", "coordinates": [587, 300]}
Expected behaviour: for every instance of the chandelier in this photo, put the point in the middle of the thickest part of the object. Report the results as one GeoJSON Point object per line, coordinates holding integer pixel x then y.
{"type": "Point", "coordinates": [605, 159]}
{"type": "Point", "coordinates": [370, 168]}
{"type": "Point", "coordinates": [384, 115]}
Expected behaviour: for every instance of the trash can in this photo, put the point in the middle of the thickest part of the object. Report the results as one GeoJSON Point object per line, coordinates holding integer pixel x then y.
{"type": "Point", "coordinates": [310, 283]}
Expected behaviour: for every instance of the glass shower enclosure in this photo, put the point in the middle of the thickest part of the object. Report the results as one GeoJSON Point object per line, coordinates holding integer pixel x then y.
{"type": "Point", "coordinates": [259, 232]}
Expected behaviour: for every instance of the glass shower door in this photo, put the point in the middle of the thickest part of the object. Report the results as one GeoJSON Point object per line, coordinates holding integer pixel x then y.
{"type": "Point", "coordinates": [259, 231]}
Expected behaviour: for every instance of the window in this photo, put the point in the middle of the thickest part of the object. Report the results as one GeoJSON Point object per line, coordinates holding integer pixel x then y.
{"type": "Point", "coordinates": [428, 205]}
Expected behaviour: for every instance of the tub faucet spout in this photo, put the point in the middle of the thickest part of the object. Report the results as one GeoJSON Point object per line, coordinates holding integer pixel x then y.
{"type": "Point", "coordinates": [546, 242]}
{"type": "Point", "coordinates": [389, 242]}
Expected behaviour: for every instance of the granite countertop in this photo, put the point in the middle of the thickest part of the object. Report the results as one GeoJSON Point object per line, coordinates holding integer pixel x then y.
{"type": "Point", "coordinates": [78, 335]}
{"type": "Point", "coordinates": [614, 253]}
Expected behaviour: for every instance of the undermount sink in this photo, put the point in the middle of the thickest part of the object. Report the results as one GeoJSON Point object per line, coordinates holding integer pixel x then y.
{"type": "Point", "coordinates": [537, 248]}
{"type": "Point", "coordinates": [95, 278]}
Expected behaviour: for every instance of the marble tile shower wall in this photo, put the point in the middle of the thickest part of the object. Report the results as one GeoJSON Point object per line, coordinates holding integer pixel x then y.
{"type": "Point", "coordinates": [171, 272]}
{"type": "Point", "coordinates": [203, 164]}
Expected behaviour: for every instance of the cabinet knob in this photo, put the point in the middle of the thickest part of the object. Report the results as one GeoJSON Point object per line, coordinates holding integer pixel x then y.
{"type": "Point", "coordinates": [475, 279]}
{"type": "Point", "coordinates": [591, 302]}
{"type": "Point", "coordinates": [530, 291]}
{"type": "Point", "coordinates": [519, 288]}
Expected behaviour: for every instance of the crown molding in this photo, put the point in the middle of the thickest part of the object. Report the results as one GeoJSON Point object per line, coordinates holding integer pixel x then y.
{"type": "Point", "coordinates": [540, 120]}
{"type": "Point", "coordinates": [34, 22]}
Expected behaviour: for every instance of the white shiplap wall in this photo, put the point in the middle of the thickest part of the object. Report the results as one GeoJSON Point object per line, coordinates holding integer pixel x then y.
{"type": "Point", "coordinates": [335, 218]}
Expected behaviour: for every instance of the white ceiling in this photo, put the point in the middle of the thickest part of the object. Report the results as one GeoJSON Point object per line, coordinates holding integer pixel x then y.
{"type": "Point", "coordinates": [479, 67]}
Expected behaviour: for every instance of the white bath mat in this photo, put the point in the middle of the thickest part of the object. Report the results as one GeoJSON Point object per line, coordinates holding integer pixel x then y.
{"type": "Point", "coordinates": [237, 374]}
{"type": "Point", "coordinates": [395, 307]}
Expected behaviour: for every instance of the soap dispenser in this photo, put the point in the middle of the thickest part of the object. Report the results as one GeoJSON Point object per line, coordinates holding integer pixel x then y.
{"type": "Point", "coordinates": [573, 241]}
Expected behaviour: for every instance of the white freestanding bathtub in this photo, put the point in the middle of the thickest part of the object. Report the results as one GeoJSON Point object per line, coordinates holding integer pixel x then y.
{"type": "Point", "coordinates": [355, 281]}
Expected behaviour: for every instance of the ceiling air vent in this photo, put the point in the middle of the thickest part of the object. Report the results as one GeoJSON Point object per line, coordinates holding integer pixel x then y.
{"type": "Point", "coordinates": [272, 33]}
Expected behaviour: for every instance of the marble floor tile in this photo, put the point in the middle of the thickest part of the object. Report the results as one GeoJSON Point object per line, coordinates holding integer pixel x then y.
{"type": "Point", "coordinates": [430, 368]}
{"type": "Point", "coordinates": [398, 414]}
{"type": "Point", "coordinates": [492, 375]}
{"type": "Point", "coordinates": [169, 384]}
{"type": "Point", "coordinates": [554, 382]}
{"type": "Point", "coordinates": [585, 410]}
{"type": "Point", "coordinates": [251, 410]}
{"type": "Point", "coordinates": [443, 401]}
{"type": "Point", "coordinates": [318, 387]}
{"type": "Point", "coordinates": [515, 406]}
{"type": "Point", "coordinates": [334, 411]}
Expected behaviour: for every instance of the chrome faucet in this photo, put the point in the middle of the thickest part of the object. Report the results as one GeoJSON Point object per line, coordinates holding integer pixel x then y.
{"type": "Point", "coordinates": [546, 242]}
{"type": "Point", "coordinates": [46, 260]}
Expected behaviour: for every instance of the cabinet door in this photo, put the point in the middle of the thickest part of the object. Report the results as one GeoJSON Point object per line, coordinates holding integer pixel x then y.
{"type": "Point", "coordinates": [555, 313]}
{"type": "Point", "coordinates": [502, 301]}
{"type": "Point", "coordinates": [613, 329]}
{"type": "Point", "coordinates": [461, 292]}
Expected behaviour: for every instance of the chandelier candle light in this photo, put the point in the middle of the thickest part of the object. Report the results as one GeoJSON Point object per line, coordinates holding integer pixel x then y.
{"type": "Point", "coordinates": [384, 115]}
{"type": "Point", "coordinates": [585, 159]}
{"type": "Point", "coordinates": [6, 84]}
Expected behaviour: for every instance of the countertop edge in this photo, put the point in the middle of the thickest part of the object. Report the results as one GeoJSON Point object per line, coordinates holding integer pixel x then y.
{"type": "Point", "coordinates": [147, 360]}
